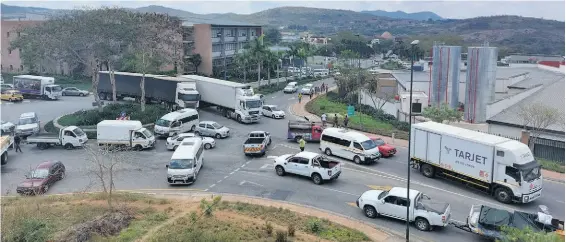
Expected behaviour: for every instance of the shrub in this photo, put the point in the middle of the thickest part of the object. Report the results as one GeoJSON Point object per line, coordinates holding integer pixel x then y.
{"type": "Point", "coordinates": [111, 112]}
{"type": "Point", "coordinates": [268, 228]}
{"type": "Point", "coordinates": [280, 236]}
{"type": "Point", "coordinates": [29, 229]}
{"type": "Point", "coordinates": [291, 230]}
{"type": "Point", "coordinates": [314, 225]}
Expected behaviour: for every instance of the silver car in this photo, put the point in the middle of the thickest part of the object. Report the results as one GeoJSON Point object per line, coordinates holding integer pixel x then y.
{"type": "Point", "coordinates": [212, 129]}
{"type": "Point", "coordinates": [307, 89]}
{"type": "Point", "coordinates": [73, 91]}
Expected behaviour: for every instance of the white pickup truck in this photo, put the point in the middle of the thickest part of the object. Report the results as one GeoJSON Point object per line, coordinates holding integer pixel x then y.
{"type": "Point", "coordinates": [392, 202]}
{"type": "Point", "coordinates": [68, 137]}
{"type": "Point", "coordinates": [318, 167]}
{"type": "Point", "coordinates": [257, 143]}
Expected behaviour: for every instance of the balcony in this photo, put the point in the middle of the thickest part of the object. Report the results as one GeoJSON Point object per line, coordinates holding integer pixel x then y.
{"type": "Point", "coordinates": [230, 52]}
{"type": "Point", "coordinates": [216, 54]}
{"type": "Point", "coordinates": [242, 38]}
{"type": "Point", "coordinates": [215, 40]}
{"type": "Point", "coordinates": [229, 39]}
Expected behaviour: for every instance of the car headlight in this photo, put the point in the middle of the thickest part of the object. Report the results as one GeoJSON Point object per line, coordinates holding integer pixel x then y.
{"type": "Point", "coordinates": [169, 175]}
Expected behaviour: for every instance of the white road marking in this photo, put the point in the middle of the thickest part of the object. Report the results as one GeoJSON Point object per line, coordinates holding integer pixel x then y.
{"type": "Point", "coordinates": [231, 173]}
{"type": "Point", "coordinates": [225, 177]}
{"type": "Point", "coordinates": [219, 181]}
{"type": "Point", "coordinates": [244, 182]}
{"type": "Point", "coordinates": [237, 169]}
{"type": "Point", "coordinates": [330, 189]}
{"type": "Point", "coordinates": [26, 101]}
{"type": "Point", "coordinates": [243, 165]}
{"type": "Point", "coordinates": [256, 174]}
{"type": "Point", "coordinates": [211, 186]}
{"type": "Point", "coordinates": [264, 166]}
{"type": "Point", "coordinates": [560, 201]}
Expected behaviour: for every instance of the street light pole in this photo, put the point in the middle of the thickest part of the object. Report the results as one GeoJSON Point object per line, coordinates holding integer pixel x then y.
{"type": "Point", "coordinates": [413, 45]}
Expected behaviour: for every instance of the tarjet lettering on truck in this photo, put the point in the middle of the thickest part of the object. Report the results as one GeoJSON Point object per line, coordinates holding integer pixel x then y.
{"type": "Point", "coordinates": [467, 155]}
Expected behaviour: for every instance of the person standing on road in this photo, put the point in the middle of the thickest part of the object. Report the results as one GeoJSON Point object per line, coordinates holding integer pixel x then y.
{"type": "Point", "coordinates": [335, 121]}
{"type": "Point", "coordinates": [300, 97]}
{"type": "Point", "coordinates": [302, 143]}
{"type": "Point", "coordinates": [323, 119]}
{"type": "Point", "coordinates": [326, 88]}
{"type": "Point", "coordinates": [310, 94]}
{"type": "Point", "coordinates": [346, 121]}
{"type": "Point", "coordinates": [17, 141]}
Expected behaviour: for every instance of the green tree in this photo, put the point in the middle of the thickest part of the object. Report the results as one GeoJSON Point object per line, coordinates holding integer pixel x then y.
{"type": "Point", "coordinates": [272, 36]}
{"type": "Point", "coordinates": [442, 113]}
{"type": "Point", "coordinates": [257, 52]}
{"type": "Point", "coordinates": [196, 60]}
{"type": "Point", "coordinates": [527, 234]}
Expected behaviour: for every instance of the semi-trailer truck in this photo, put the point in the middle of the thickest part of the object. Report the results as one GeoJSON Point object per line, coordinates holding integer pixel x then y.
{"type": "Point", "coordinates": [175, 91]}
{"type": "Point", "coordinates": [37, 86]}
{"type": "Point", "coordinates": [234, 100]}
{"type": "Point", "coordinates": [501, 167]}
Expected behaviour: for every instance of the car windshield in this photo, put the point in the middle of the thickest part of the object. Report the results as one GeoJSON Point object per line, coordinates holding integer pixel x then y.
{"type": "Point", "coordinates": [24, 121]}
{"type": "Point", "coordinates": [216, 125]}
{"type": "Point", "coordinates": [56, 88]}
{"type": "Point", "coordinates": [163, 123]}
{"type": "Point", "coordinates": [379, 142]}
{"type": "Point", "coordinates": [382, 195]}
{"type": "Point", "coordinates": [368, 144]}
{"type": "Point", "coordinates": [188, 97]}
{"type": "Point", "coordinates": [78, 132]}
{"type": "Point", "coordinates": [181, 164]}
{"type": "Point", "coordinates": [275, 108]}
{"type": "Point", "coordinates": [147, 134]}
{"type": "Point", "coordinates": [39, 174]}
{"type": "Point", "coordinates": [253, 104]}
{"type": "Point", "coordinates": [531, 174]}
{"type": "Point", "coordinates": [289, 86]}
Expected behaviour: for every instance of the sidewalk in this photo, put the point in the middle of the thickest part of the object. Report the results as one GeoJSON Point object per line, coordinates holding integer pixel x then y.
{"type": "Point", "coordinates": [298, 109]}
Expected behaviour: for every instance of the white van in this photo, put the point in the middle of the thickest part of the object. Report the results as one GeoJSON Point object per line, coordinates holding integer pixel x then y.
{"type": "Point", "coordinates": [291, 87]}
{"type": "Point", "coordinates": [180, 121]}
{"type": "Point", "coordinates": [186, 162]}
{"type": "Point", "coordinates": [349, 145]}
{"type": "Point", "coordinates": [321, 72]}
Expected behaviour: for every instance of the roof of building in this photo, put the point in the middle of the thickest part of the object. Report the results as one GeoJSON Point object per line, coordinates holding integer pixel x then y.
{"type": "Point", "coordinates": [551, 95]}
{"type": "Point", "coordinates": [216, 22]}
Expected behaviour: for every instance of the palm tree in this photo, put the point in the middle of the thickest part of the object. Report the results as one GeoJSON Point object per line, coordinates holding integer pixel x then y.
{"type": "Point", "coordinates": [242, 62]}
{"type": "Point", "coordinates": [258, 52]}
{"type": "Point", "coordinates": [292, 53]}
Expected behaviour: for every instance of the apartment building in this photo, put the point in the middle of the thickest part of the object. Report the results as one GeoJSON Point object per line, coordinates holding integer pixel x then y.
{"type": "Point", "coordinates": [216, 42]}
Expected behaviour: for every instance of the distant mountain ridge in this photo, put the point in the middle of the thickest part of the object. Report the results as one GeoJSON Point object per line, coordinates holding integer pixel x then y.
{"type": "Point", "coordinates": [426, 15]}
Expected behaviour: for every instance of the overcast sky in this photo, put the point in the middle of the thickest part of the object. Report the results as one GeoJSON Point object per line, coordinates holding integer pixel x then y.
{"type": "Point", "coordinates": [447, 9]}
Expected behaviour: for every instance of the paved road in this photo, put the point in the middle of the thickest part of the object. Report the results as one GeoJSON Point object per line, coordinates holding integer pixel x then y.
{"type": "Point", "coordinates": [227, 170]}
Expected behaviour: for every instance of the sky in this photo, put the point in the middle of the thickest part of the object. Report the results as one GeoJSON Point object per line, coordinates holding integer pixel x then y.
{"type": "Point", "coordinates": [457, 9]}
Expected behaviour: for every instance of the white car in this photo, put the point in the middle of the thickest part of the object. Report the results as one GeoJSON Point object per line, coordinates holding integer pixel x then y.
{"type": "Point", "coordinates": [318, 167]}
{"type": "Point", "coordinates": [290, 88]}
{"type": "Point", "coordinates": [173, 142]}
{"type": "Point", "coordinates": [7, 127]}
{"type": "Point", "coordinates": [272, 111]}
{"type": "Point", "coordinates": [423, 212]}
{"type": "Point", "coordinates": [307, 89]}
{"type": "Point", "coordinates": [212, 129]}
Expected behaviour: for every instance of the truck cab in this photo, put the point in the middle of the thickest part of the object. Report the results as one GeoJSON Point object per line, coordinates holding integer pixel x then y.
{"type": "Point", "coordinates": [187, 95]}
{"type": "Point", "coordinates": [309, 131]}
{"type": "Point", "coordinates": [249, 106]}
{"type": "Point", "coordinates": [52, 92]}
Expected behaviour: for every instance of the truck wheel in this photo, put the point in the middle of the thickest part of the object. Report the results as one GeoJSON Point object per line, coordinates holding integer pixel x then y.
{"type": "Point", "coordinates": [41, 146]}
{"type": "Point", "coordinates": [316, 178]}
{"type": "Point", "coordinates": [422, 224]}
{"type": "Point", "coordinates": [138, 147]}
{"type": "Point", "coordinates": [175, 147]}
{"type": "Point", "coordinates": [280, 171]}
{"type": "Point", "coordinates": [427, 170]}
{"type": "Point", "coordinates": [69, 146]}
{"type": "Point", "coordinates": [207, 146]}
{"type": "Point", "coordinates": [4, 158]}
{"type": "Point", "coordinates": [218, 136]}
{"type": "Point", "coordinates": [269, 143]}
{"type": "Point", "coordinates": [193, 128]}
{"type": "Point", "coordinates": [370, 212]}
{"type": "Point", "coordinates": [503, 195]}
{"type": "Point", "coordinates": [328, 152]}
{"type": "Point", "coordinates": [102, 96]}
{"type": "Point", "coordinates": [357, 160]}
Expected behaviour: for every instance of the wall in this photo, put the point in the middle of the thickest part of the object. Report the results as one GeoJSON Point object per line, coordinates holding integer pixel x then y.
{"type": "Point", "coordinates": [203, 46]}
{"type": "Point", "coordinates": [388, 107]}
{"type": "Point", "coordinates": [497, 107]}
{"type": "Point", "coordinates": [550, 68]}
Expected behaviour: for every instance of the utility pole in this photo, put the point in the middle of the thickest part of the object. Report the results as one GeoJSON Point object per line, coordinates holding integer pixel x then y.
{"type": "Point", "coordinates": [360, 81]}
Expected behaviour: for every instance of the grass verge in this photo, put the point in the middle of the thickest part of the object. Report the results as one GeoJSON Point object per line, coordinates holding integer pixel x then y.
{"type": "Point", "coordinates": [366, 123]}
{"type": "Point", "coordinates": [551, 165]}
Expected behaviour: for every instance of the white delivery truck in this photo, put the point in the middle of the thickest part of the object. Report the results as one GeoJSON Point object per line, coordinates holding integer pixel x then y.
{"type": "Point", "coordinates": [38, 86]}
{"type": "Point", "coordinates": [127, 133]}
{"type": "Point", "coordinates": [499, 166]}
{"type": "Point", "coordinates": [234, 100]}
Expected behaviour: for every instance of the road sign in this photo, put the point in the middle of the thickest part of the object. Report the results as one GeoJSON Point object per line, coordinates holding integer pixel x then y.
{"type": "Point", "coordinates": [351, 111]}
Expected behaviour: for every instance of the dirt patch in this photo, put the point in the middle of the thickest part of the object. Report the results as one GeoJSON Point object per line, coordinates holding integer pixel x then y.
{"type": "Point", "coordinates": [106, 225]}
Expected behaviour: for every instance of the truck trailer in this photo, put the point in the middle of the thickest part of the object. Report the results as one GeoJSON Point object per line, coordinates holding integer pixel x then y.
{"type": "Point", "coordinates": [234, 100]}
{"type": "Point", "coordinates": [37, 86]}
{"type": "Point", "coordinates": [175, 91]}
{"type": "Point", "coordinates": [501, 167]}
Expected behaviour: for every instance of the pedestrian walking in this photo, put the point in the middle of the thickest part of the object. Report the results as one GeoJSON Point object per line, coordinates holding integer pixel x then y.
{"type": "Point", "coordinates": [335, 120]}
{"type": "Point", "coordinates": [302, 143]}
{"type": "Point", "coordinates": [17, 141]}
{"type": "Point", "coordinates": [323, 119]}
{"type": "Point", "coordinates": [346, 121]}
{"type": "Point", "coordinates": [326, 88]}
{"type": "Point", "coordinates": [310, 95]}
{"type": "Point", "coordinates": [300, 97]}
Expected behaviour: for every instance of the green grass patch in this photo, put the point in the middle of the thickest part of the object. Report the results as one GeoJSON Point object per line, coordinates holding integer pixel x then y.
{"type": "Point", "coordinates": [550, 165]}
{"type": "Point", "coordinates": [110, 112]}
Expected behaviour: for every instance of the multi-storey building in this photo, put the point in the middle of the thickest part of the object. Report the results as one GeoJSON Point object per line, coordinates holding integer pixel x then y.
{"type": "Point", "coordinates": [216, 42]}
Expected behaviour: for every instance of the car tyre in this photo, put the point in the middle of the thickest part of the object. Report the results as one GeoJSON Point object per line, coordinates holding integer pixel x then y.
{"type": "Point", "coordinates": [207, 146]}
{"type": "Point", "coordinates": [280, 170]}
{"type": "Point", "coordinates": [317, 179]}
{"type": "Point", "coordinates": [239, 118]}
{"type": "Point", "coordinates": [328, 152]}
{"type": "Point", "coordinates": [218, 136]}
{"type": "Point", "coordinates": [68, 146]}
{"type": "Point", "coordinates": [422, 224]}
{"type": "Point", "coordinates": [427, 170]}
{"type": "Point", "coordinates": [175, 147]}
{"type": "Point", "coordinates": [63, 94]}
{"type": "Point", "coordinates": [138, 147]}
{"type": "Point", "coordinates": [193, 128]}
{"type": "Point", "coordinates": [370, 211]}
{"type": "Point", "coordinates": [197, 133]}
{"type": "Point", "coordinates": [81, 94]}
{"type": "Point", "coordinates": [273, 116]}
{"type": "Point", "coordinates": [503, 195]}
{"type": "Point", "coordinates": [357, 160]}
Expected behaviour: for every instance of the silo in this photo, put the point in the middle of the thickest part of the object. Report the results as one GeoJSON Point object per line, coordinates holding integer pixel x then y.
{"type": "Point", "coordinates": [480, 82]}
{"type": "Point", "coordinates": [445, 75]}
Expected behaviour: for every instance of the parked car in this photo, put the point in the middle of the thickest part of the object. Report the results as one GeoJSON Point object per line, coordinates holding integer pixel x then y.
{"type": "Point", "coordinates": [41, 178]}
{"type": "Point", "coordinates": [385, 149]}
{"type": "Point", "coordinates": [12, 96]}
{"type": "Point", "coordinates": [73, 91]}
{"type": "Point", "coordinates": [173, 142]}
{"type": "Point", "coordinates": [318, 167]}
{"type": "Point", "coordinates": [272, 111]}
{"type": "Point", "coordinates": [212, 129]}
{"type": "Point", "coordinates": [392, 202]}
{"type": "Point", "coordinates": [307, 89]}
{"type": "Point", "coordinates": [7, 127]}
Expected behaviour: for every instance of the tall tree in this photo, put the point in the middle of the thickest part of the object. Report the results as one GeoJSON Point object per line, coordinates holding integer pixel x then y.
{"type": "Point", "coordinates": [258, 51]}
{"type": "Point", "coordinates": [272, 36]}
{"type": "Point", "coordinates": [537, 117]}
{"type": "Point", "coordinates": [196, 60]}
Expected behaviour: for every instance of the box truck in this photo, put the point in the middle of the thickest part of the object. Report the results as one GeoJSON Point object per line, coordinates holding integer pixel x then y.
{"type": "Point", "coordinates": [177, 92]}
{"type": "Point", "coordinates": [501, 167]}
{"type": "Point", "coordinates": [37, 86]}
{"type": "Point", "coordinates": [128, 133]}
{"type": "Point", "coordinates": [234, 100]}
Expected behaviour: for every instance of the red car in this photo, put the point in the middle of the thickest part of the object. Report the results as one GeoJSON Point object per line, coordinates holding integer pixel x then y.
{"type": "Point", "coordinates": [385, 149]}
{"type": "Point", "coordinates": [41, 178]}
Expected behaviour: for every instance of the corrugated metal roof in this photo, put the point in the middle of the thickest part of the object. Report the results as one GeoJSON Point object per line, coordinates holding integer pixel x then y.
{"type": "Point", "coordinates": [220, 22]}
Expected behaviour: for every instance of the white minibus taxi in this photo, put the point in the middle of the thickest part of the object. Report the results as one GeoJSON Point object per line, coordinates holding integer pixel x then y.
{"type": "Point", "coordinates": [180, 121]}
{"type": "Point", "coordinates": [186, 162]}
{"type": "Point", "coordinates": [349, 145]}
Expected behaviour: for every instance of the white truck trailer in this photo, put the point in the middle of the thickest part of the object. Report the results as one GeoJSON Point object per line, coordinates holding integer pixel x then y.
{"type": "Point", "coordinates": [501, 167]}
{"type": "Point", "coordinates": [38, 86]}
{"type": "Point", "coordinates": [234, 100]}
{"type": "Point", "coordinates": [127, 133]}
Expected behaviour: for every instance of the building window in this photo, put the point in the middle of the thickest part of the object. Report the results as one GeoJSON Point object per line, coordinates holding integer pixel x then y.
{"type": "Point", "coordinates": [216, 48]}
{"type": "Point", "coordinates": [21, 67]}
{"type": "Point", "coordinates": [11, 68]}
{"type": "Point", "coordinates": [216, 33]}
{"type": "Point", "coordinates": [8, 34]}
{"type": "Point", "coordinates": [230, 32]}
{"type": "Point", "coordinates": [252, 32]}
{"type": "Point", "coordinates": [217, 62]}
{"type": "Point", "coordinates": [242, 33]}
{"type": "Point", "coordinates": [9, 51]}
{"type": "Point", "coordinates": [231, 46]}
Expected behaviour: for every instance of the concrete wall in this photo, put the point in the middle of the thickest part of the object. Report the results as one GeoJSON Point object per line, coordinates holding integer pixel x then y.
{"type": "Point", "coordinates": [388, 107]}
{"type": "Point", "coordinates": [550, 68]}
{"type": "Point", "coordinates": [203, 46]}
{"type": "Point", "coordinates": [511, 131]}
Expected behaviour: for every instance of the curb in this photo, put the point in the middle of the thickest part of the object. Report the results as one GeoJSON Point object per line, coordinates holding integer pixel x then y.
{"type": "Point", "coordinates": [57, 125]}
{"type": "Point", "coordinates": [554, 180]}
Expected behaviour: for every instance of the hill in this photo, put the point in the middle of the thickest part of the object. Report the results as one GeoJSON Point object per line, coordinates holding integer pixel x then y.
{"type": "Point", "coordinates": [403, 15]}
{"type": "Point", "coordinates": [513, 33]}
